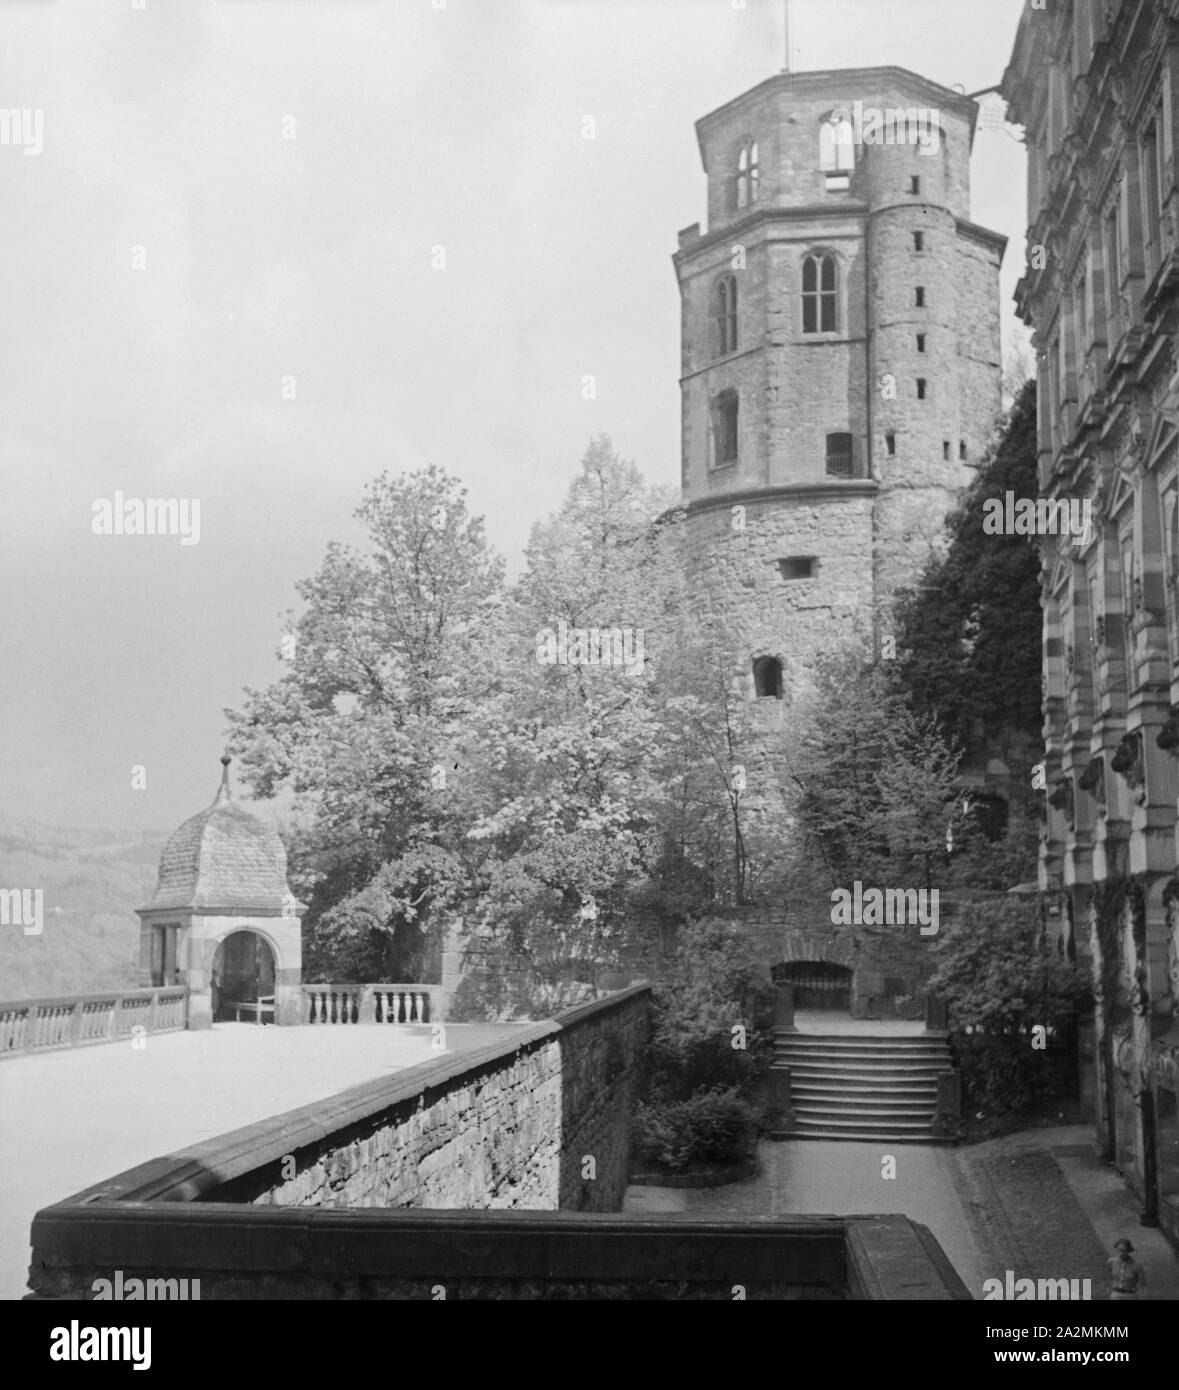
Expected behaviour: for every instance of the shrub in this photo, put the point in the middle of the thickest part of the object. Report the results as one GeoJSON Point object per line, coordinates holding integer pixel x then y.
{"type": "Point", "coordinates": [999, 978]}
{"type": "Point", "coordinates": [712, 1126]}
{"type": "Point", "coordinates": [719, 981]}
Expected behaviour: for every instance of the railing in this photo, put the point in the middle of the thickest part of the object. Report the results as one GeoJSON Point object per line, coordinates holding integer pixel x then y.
{"type": "Point", "coordinates": [36, 1025]}
{"type": "Point", "coordinates": [375, 1003]}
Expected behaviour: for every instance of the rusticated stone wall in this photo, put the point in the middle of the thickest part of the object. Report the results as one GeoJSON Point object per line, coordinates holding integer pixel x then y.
{"type": "Point", "coordinates": [542, 1123]}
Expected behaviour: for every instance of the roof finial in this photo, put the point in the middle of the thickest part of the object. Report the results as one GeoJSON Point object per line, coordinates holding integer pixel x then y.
{"type": "Point", "coordinates": [223, 791]}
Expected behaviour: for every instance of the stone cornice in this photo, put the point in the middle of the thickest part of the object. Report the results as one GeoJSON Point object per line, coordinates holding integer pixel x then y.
{"type": "Point", "coordinates": [786, 492]}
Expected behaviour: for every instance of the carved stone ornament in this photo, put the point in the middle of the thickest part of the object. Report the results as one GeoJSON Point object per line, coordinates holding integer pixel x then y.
{"type": "Point", "coordinates": [1099, 626]}
{"type": "Point", "coordinates": [1093, 779]}
{"type": "Point", "coordinates": [1168, 738]}
{"type": "Point", "coordinates": [1070, 658]}
{"type": "Point", "coordinates": [1063, 799]}
{"type": "Point", "coordinates": [1128, 764]}
{"type": "Point", "coordinates": [1137, 587]}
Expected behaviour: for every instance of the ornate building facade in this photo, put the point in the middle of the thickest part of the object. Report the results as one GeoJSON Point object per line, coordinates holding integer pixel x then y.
{"type": "Point", "coordinates": [840, 379]}
{"type": "Point", "coordinates": [1096, 85]}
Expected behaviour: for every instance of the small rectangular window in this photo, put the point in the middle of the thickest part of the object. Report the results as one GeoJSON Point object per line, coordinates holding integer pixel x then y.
{"type": "Point", "coordinates": [919, 297]}
{"type": "Point", "coordinates": [920, 388]}
{"type": "Point", "coordinates": [920, 342]}
{"type": "Point", "coordinates": [726, 427]}
{"type": "Point", "coordinates": [797, 567]}
{"type": "Point", "coordinates": [918, 241]}
{"type": "Point", "coordinates": [840, 462]}
{"type": "Point", "coordinates": [890, 443]}
{"type": "Point", "coordinates": [914, 184]}
{"type": "Point", "coordinates": [946, 450]}
{"type": "Point", "coordinates": [962, 449]}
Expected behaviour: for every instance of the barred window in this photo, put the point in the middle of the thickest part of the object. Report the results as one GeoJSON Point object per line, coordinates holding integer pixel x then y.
{"type": "Point", "coordinates": [840, 460]}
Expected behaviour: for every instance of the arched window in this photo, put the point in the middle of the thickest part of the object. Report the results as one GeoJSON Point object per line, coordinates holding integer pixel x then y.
{"type": "Point", "coordinates": [837, 150]}
{"type": "Point", "coordinates": [748, 176]}
{"type": "Point", "coordinates": [767, 677]}
{"type": "Point", "coordinates": [725, 315]}
{"type": "Point", "coordinates": [819, 294]}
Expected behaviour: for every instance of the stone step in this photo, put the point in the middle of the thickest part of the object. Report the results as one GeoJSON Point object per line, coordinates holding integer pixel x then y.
{"type": "Point", "coordinates": [811, 1109]}
{"type": "Point", "coordinates": [791, 1044]}
{"type": "Point", "coordinates": [867, 1136]}
{"type": "Point", "coordinates": [881, 1075]}
{"type": "Point", "coordinates": [864, 1039]}
{"type": "Point", "coordinates": [851, 1059]}
{"type": "Point", "coordinates": [926, 1104]}
{"type": "Point", "coordinates": [867, 1120]}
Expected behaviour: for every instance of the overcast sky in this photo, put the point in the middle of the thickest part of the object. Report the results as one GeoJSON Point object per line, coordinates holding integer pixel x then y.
{"type": "Point", "coordinates": [266, 258]}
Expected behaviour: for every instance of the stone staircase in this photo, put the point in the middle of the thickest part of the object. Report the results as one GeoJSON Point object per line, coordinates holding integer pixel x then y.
{"type": "Point", "coordinates": [856, 1086]}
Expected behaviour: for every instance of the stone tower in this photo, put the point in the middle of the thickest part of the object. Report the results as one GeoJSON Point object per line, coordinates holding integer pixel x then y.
{"type": "Point", "coordinates": [840, 357]}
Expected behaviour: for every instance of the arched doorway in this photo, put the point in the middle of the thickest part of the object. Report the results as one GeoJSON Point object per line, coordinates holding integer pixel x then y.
{"type": "Point", "coordinates": [243, 973]}
{"type": "Point", "coordinates": [819, 986]}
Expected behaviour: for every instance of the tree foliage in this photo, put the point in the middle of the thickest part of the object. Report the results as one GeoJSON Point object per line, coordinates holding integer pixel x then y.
{"type": "Point", "coordinates": [1000, 978]}
{"type": "Point", "coordinates": [969, 632]}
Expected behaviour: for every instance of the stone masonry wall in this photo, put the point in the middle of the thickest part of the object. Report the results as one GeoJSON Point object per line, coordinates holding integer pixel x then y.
{"type": "Point", "coordinates": [887, 963]}
{"type": "Point", "coordinates": [509, 1127]}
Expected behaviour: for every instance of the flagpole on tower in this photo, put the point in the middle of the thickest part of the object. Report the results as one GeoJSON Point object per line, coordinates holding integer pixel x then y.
{"type": "Point", "coordinates": [786, 27]}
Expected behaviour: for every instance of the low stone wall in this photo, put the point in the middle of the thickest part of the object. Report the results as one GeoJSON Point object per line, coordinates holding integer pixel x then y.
{"type": "Point", "coordinates": [313, 1204]}
{"type": "Point", "coordinates": [269, 1253]}
{"type": "Point", "coordinates": [538, 1121]}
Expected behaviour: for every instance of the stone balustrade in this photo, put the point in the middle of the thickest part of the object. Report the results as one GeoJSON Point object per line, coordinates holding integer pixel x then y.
{"type": "Point", "coordinates": [36, 1025]}
{"type": "Point", "coordinates": [372, 1003]}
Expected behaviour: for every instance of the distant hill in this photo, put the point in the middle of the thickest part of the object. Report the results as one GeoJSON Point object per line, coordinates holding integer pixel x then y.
{"type": "Point", "coordinates": [93, 880]}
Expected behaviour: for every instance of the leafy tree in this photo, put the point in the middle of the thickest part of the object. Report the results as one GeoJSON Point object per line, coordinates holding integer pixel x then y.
{"type": "Point", "coordinates": [378, 693]}
{"type": "Point", "coordinates": [875, 781]}
{"type": "Point", "coordinates": [969, 632]}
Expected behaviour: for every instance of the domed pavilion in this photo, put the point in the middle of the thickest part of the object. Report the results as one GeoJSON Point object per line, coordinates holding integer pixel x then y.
{"type": "Point", "coordinates": [223, 920]}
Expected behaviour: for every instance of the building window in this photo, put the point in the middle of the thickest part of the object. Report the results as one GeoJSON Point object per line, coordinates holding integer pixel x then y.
{"type": "Point", "coordinates": [840, 463]}
{"type": "Point", "coordinates": [798, 567]}
{"type": "Point", "coordinates": [1094, 644]}
{"type": "Point", "coordinates": [1055, 395]}
{"type": "Point", "coordinates": [767, 678]}
{"type": "Point", "coordinates": [725, 315]}
{"type": "Point", "coordinates": [920, 388]}
{"type": "Point", "coordinates": [918, 241]}
{"type": "Point", "coordinates": [962, 449]}
{"type": "Point", "coordinates": [1127, 615]}
{"type": "Point", "coordinates": [920, 342]}
{"type": "Point", "coordinates": [914, 184]}
{"type": "Point", "coordinates": [1113, 271]}
{"type": "Point", "coordinates": [837, 151]}
{"type": "Point", "coordinates": [819, 294]}
{"type": "Point", "coordinates": [946, 450]}
{"type": "Point", "coordinates": [919, 297]}
{"type": "Point", "coordinates": [725, 423]}
{"type": "Point", "coordinates": [163, 957]}
{"type": "Point", "coordinates": [1151, 184]}
{"type": "Point", "coordinates": [890, 443]}
{"type": "Point", "coordinates": [748, 174]}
